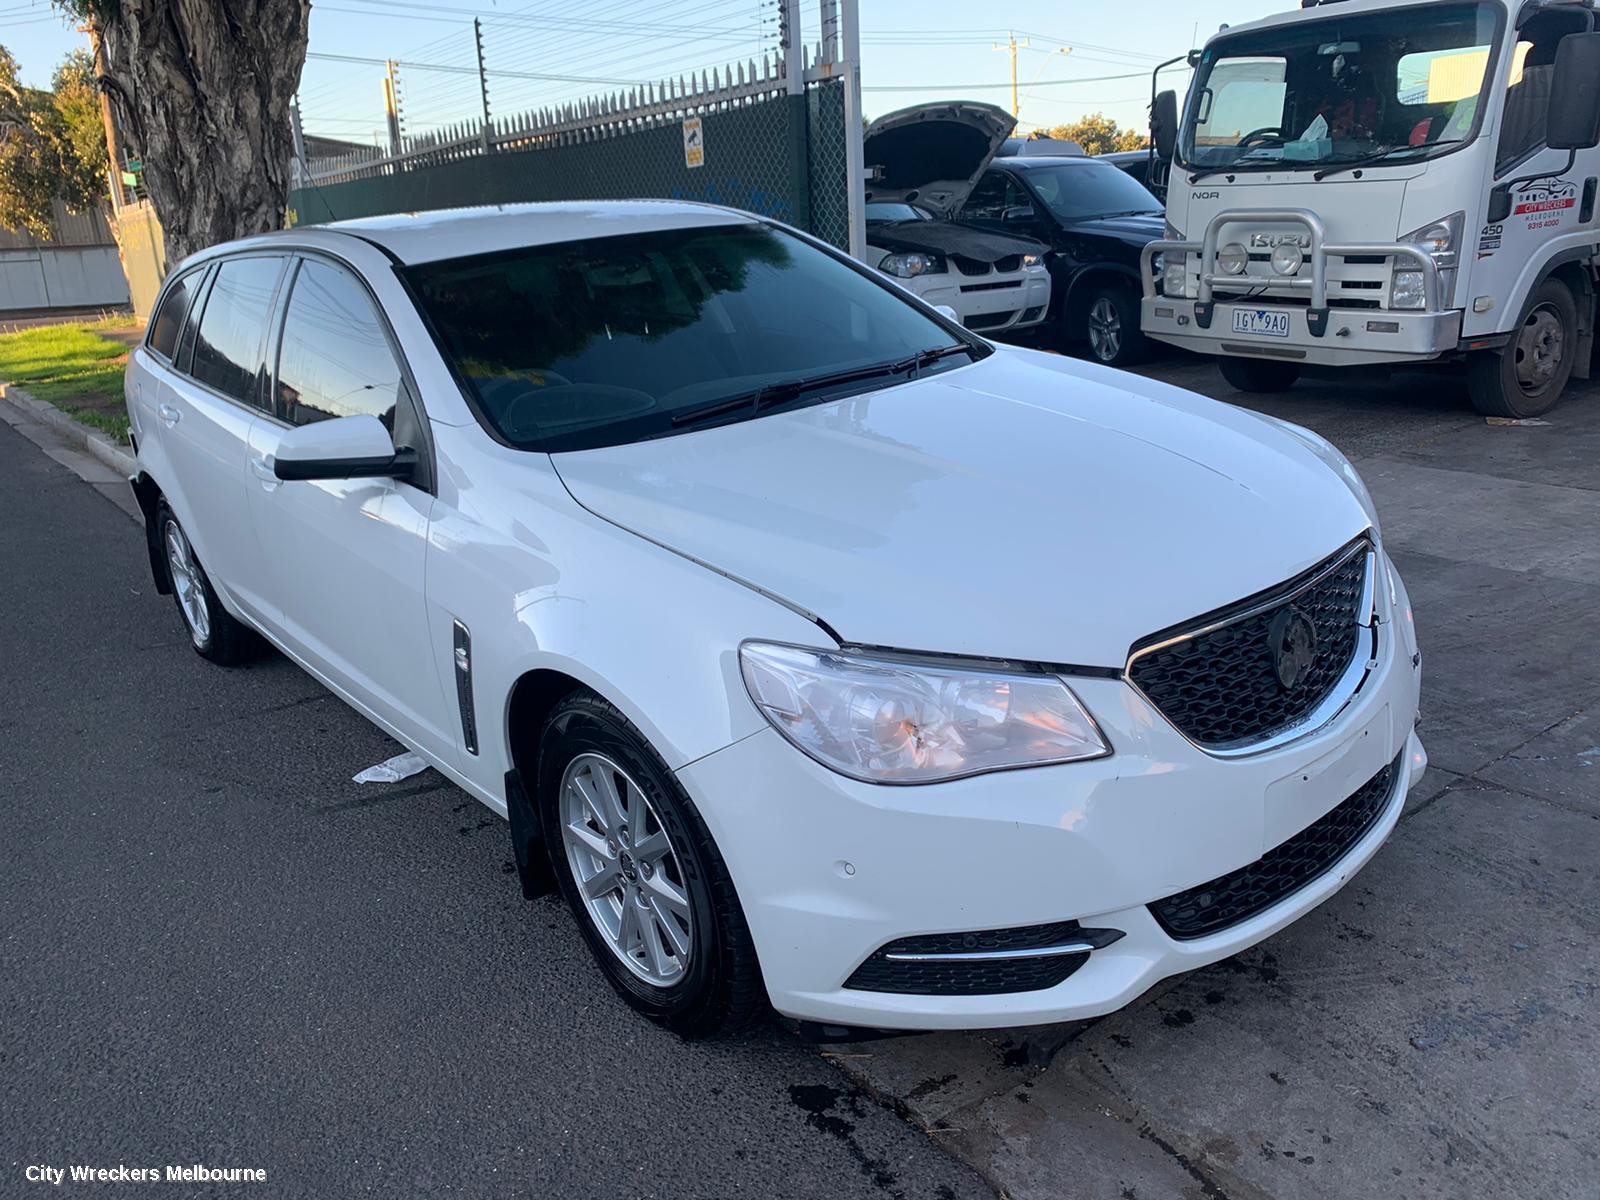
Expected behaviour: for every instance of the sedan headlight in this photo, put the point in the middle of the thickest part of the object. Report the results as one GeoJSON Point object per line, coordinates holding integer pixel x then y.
{"type": "Point", "coordinates": [1031, 260]}
{"type": "Point", "coordinates": [888, 720]}
{"type": "Point", "coordinates": [908, 266]}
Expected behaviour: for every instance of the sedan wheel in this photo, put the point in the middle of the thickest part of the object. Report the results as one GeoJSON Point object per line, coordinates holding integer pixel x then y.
{"type": "Point", "coordinates": [626, 869]}
{"type": "Point", "coordinates": [188, 586]}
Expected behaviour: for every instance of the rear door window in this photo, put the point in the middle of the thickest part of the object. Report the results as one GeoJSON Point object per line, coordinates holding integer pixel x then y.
{"type": "Point", "coordinates": [229, 351]}
{"type": "Point", "coordinates": [169, 317]}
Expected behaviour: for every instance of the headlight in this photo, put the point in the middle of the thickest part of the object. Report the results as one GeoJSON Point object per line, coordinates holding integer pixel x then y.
{"type": "Point", "coordinates": [884, 720]}
{"type": "Point", "coordinates": [1031, 260]}
{"type": "Point", "coordinates": [1233, 258]}
{"type": "Point", "coordinates": [908, 266]}
{"type": "Point", "coordinates": [1174, 273]}
{"type": "Point", "coordinates": [1407, 290]}
{"type": "Point", "coordinates": [1441, 238]}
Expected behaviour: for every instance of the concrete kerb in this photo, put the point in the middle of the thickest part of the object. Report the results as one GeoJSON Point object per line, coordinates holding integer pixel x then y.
{"type": "Point", "coordinates": [75, 432]}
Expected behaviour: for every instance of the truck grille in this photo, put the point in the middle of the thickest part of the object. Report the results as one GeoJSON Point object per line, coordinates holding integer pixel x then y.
{"type": "Point", "coordinates": [1221, 685]}
{"type": "Point", "coordinates": [1281, 871]}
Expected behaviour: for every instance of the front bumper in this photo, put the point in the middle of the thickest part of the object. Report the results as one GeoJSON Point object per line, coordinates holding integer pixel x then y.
{"type": "Point", "coordinates": [830, 870]}
{"type": "Point", "coordinates": [1317, 331]}
{"type": "Point", "coordinates": [1353, 336]}
{"type": "Point", "coordinates": [990, 303]}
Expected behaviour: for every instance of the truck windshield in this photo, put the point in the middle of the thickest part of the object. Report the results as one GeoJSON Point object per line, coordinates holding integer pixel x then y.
{"type": "Point", "coordinates": [1311, 94]}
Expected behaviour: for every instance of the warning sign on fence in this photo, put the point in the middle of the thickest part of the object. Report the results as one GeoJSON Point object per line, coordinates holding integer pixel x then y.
{"type": "Point", "coordinates": [694, 143]}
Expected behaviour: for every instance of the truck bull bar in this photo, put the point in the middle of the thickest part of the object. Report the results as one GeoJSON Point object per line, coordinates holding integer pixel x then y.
{"type": "Point", "coordinates": [1317, 256]}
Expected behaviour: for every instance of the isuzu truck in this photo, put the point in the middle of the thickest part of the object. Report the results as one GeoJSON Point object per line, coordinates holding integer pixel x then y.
{"type": "Point", "coordinates": [1375, 181]}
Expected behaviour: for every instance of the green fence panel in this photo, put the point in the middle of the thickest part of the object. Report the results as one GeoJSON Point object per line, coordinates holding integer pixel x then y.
{"type": "Point", "coordinates": [751, 152]}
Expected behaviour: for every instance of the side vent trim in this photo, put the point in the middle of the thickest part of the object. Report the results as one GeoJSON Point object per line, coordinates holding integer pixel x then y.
{"type": "Point", "coordinates": [463, 665]}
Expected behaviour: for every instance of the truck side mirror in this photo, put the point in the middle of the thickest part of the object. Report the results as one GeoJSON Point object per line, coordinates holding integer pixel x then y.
{"type": "Point", "coordinates": [1574, 120]}
{"type": "Point", "coordinates": [1164, 124]}
{"type": "Point", "coordinates": [1499, 204]}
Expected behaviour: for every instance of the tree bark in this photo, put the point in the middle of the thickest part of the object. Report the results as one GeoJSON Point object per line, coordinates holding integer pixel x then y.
{"type": "Point", "coordinates": [201, 90]}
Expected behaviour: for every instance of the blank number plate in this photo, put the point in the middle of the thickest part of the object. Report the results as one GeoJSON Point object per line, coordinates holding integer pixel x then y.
{"type": "Point", "coordinates": [1262, 322]}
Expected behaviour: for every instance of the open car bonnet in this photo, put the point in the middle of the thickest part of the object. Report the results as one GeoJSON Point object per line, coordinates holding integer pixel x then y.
{"type": "Point", "coordinates": [932, 154]}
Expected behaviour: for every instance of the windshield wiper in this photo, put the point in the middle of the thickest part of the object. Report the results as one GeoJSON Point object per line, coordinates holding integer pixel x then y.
{"type": "Point", "coordinates": [1336, 168]}
{"type": "Point", "coordinates": [784, 390]}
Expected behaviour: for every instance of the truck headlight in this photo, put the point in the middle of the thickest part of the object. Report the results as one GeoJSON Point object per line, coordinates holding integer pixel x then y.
{"type": "Point", "coordinates": [1174, 267]}
{"type": "Point", "coordinates": [888, 720]}
{"type": "Point", "coordinates": [908, 266]}
{"type": "Point", "coordinates": [1407, 290]}
{"type": "Point", "coordinates": [1441, 239]}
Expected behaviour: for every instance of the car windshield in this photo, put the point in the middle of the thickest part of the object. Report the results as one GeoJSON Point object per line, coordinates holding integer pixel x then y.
{"type": "Point", "coordinates": [1403, 83]}
{"type": "Point", "coordinates": [1079, 190]}
{"type": "Point", "coordinates": [886, 210]}
{"type": "Point", "coordinates": [574, 345]}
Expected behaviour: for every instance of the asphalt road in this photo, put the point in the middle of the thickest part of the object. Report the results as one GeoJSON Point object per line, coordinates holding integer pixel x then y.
{"type": "Point", "coordinates": [216, 949]}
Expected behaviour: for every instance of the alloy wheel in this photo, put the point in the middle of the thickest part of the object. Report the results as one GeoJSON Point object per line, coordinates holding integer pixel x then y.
{"type": "Point", "coordinates": [1105, 329]}
{"type": "Point", "coordinates": [1541, 347]}
{"type": "Point", "coordinates": [626, 869]}
{"type": "Point", "coordinates": [189, 585]}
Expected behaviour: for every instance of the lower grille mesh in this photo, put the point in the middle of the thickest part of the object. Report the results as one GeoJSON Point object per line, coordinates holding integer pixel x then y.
{"type": "Point", "coordinates": [1281, 871]}
{"type": "Point", "coordinates": [953, 977]}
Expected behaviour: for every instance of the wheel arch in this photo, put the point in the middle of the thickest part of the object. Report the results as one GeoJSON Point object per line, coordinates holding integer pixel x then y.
{"type": "Point", "coordinates": [1579, 279]}
{"type": "Point", "coordinates": [147, 493]}
{"type": "Point", "coordinates": [1075, 303]}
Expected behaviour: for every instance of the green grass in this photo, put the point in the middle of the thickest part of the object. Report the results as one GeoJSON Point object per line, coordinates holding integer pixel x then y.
{"type": "Point", "coordinates": [73, 367]}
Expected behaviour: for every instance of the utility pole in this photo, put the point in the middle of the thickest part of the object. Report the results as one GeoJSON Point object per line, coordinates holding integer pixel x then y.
{"type": "Point", "coordinates": [391, 105]}
{"type": "Point", "coordinates": [483, 84]}
{"type": "Point", "coordinates": [1011, 47]}
{"type": "Point", "coordinates": [119, 196]}
{"type": "Point", "coordinates": [302, 164]}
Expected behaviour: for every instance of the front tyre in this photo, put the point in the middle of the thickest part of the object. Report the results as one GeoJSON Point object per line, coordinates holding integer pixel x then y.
{"type": "Point", "coordinates": [1259, 374]}
{"type": "Point", "coordinates": [641, 874]}
{"type": "Point", "coordinates": [1111, 325]}
{"type": "Point", "coordinates": [1527, 377]}
{"type": "Point", "coordinates": [214, 633]}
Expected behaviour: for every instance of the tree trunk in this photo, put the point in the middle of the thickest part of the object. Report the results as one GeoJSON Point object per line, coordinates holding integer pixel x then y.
{"type": "Point", "coordinates": [201, 90]}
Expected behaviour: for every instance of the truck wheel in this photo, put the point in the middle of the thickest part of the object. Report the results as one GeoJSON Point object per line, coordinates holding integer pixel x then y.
{"type": "Point", "coordinates": [1527, 377]}
{"type": "Point", "coordinates": [1259, 374]}
{"type": "Point", "coordinates": [1111, 324]}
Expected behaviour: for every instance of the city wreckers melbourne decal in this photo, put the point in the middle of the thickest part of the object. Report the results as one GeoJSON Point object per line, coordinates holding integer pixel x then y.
{"type": "Point", "coordinates": [1545, 205]}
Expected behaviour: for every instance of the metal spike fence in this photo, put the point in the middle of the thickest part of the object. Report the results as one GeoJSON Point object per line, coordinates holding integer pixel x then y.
{"type": "Point", "coordinates": [768, 146]}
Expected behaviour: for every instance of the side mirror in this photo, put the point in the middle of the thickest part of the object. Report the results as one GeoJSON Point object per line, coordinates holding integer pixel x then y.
{"type": "Point", "coordinates": [948, 313]}
{"type": "Point", "coordinates": [341, 448]}
{"type": "Point", "coordinates": [1164, 124]}
{"type": "Point", "coordinates": [1499, 204]}
{"type": "Point", "coordinates": [1017, 214]}
{"type": "Point", "coordinates": [1574, 120]}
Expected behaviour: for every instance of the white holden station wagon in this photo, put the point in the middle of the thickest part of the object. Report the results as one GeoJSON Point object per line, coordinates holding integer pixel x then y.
{"type": "Point", "coordinates": [820, 652]}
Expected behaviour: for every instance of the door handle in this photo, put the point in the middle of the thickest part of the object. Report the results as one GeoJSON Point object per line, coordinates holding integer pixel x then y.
{"type": "Point", "coordinates": [261, 467]}
{"type": "Point", "coordinates": [169, 413]}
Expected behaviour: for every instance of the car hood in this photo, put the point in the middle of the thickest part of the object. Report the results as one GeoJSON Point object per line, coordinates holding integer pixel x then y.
{"type": "Point", "coordinates": [1024, 507]}
{"type": "Point", "coordinates": [932, 154]}
{"type": "Point", "coordinates": [1138, 229]}
{"type": "Point", "coordinates": [947, 237]}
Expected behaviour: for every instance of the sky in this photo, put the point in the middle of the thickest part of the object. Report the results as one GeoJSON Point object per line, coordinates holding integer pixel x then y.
{"type": "Point", "coordinates": [553, 51]}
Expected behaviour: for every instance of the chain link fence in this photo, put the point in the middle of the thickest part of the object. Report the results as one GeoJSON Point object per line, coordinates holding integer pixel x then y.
{"type": "Point", "coordinates": [748, 137]}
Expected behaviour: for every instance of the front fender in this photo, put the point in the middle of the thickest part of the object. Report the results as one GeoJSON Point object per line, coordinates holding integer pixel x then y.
{"type": "Point", "coordinates": [542, 584]}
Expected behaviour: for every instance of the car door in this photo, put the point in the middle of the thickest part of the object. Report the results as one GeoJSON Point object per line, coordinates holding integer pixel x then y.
{"type": "Point", "coordinates": [207, 405]}
{"type": "Point", "coordinates": [344, 559]}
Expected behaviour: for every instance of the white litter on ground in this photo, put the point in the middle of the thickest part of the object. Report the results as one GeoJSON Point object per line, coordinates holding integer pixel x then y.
{"type": "Point", "coordinates": [1514, 421]}
{"type": "Point", "coordinates": [393, 770]}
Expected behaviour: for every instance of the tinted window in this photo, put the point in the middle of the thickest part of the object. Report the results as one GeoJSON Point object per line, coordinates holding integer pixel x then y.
{"type": "Point", "coordinates": [169, 317]}
{"type": "Point", "coordinates": [1089, 190]}
{"type": "Point", "coordinates": [990, 198]}
{"type": "Point", "coordinates": [335, 359]}
{"type": "Point", "coordinates": [888, 210]}
{"type": "Point", "coordinates": [604, 341]}
{"type": "Point", "coordinates": [228, 351]}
